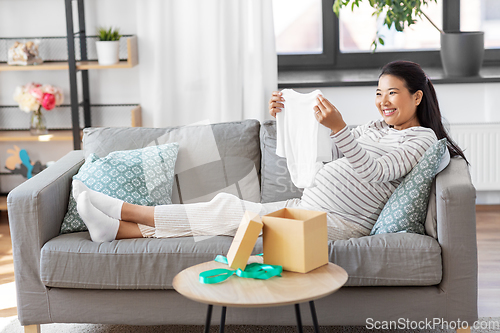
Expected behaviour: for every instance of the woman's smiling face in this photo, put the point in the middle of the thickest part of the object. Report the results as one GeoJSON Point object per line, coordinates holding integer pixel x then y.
{"type": "Point", "coordinates": [396, 104]}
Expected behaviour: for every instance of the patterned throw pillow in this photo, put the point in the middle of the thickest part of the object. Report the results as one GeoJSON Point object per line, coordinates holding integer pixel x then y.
{"type": "Point", "coordinates": [406, 209]}
{"type": "Point", "coordinates": [142, 176]}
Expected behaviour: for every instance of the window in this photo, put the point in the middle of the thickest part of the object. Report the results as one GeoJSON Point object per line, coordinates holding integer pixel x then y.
{"type": "Point", "coordinates": [358, 29]}
{"type": "Point", "coordinates": [298, 26]}
{"type": "Point", "coordinates": [483, 15]}
{"type": "Point", "coordinates": [310, 36]}
{"type": "Point", "coordinates": [303, 30]}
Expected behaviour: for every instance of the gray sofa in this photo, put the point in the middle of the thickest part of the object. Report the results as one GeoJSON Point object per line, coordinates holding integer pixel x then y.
{"type": "Point", "coordinates": [66, 278]}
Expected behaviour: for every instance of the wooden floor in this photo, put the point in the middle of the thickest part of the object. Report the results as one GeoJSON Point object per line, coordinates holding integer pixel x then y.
{"type": "Point", "coordinates": [6, 261]}
{"type": "Point", "coordinates": [7, 304]}
{"type": "Point", "coordinates": [488, 253]}
{"type": "Point", "coordinates": [488, 241]}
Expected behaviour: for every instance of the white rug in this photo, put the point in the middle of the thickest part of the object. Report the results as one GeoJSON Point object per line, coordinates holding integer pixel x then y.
{"type": "Point", "coordinates": [11, 325]}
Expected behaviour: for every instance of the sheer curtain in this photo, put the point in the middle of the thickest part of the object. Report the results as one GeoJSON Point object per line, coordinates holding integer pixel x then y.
{"type": "Point", "coordinates": [205, 60]}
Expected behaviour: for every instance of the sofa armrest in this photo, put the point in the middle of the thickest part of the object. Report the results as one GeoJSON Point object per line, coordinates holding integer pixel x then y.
{"type": "Point", "coordinates": [36, 210]}
{"type": "Point", "coordinates": [456, 230]}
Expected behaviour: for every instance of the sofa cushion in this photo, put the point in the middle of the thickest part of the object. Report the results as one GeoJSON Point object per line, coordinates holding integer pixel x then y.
{"type": "Point", "coordinates": [396, 259]}
{"type": "Point", "coordinates": [276, 183]}
{"type": "Point", "coordinates": [406, 209]}
{"type": "Point", "coordinates": [140, 176]}
{"type": "Point", "coordinates": [73, 261]}
{"type": "Point", "coordinates": [431, 217]}
{"type": "Point", "coordinates": [223, 157]}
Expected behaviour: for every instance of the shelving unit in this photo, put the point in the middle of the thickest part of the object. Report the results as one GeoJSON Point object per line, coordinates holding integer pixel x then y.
{"type": "Point", "coordinates": [48, 66]}
{"type": "Point", "coordinates": [131, 61]}
{"type": "Point", "coordinates": [132, 58]}
{"type": "Point", "coordinates": [56, 60]}
{"type": "Point", "coordinates": [73, 66]}
{"type": "Point", "coordinates": [24, 136]}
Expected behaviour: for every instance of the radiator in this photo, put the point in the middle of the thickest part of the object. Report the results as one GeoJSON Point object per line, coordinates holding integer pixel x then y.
{"type": "Point", "coordinates": [481, 146]}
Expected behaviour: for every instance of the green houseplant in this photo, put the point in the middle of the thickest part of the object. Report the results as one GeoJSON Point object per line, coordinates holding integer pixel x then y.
{"type": "Point", "coordinates": [108, 46]}
{"type": "Point", "coordinates": [461, 52]}
{"type": "Point", "coordinates": [109, 34]}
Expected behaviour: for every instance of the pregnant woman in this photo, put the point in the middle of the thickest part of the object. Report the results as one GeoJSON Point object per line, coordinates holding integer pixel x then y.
{"type": "Point", "coordinates": [370, 161]}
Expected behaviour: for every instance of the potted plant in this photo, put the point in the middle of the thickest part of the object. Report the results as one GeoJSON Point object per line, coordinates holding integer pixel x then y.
{"type": "Point", "coordinates": [461, 52]}
{"type": "Point", "coordinates": [108, 46]}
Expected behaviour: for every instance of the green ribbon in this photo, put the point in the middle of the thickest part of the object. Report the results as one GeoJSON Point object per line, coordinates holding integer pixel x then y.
{"type": "Point", "coordinates": [252, 271]}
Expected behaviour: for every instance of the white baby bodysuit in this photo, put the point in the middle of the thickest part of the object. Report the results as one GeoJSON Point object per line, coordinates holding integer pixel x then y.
{"type": "Point", "coordinates": [301, 139]}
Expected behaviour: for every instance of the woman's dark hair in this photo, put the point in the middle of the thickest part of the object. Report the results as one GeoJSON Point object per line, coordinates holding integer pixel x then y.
{"type": "Point", "coordinates": [428, 112]}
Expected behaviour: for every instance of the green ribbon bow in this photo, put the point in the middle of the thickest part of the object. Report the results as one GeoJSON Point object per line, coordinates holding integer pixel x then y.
{"type": "Point", "coordinates": [252, 271]}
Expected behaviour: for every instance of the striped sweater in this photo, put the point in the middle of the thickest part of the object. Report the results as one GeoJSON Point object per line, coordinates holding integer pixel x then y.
{"type": "Point", "coordinates": [370, 161]}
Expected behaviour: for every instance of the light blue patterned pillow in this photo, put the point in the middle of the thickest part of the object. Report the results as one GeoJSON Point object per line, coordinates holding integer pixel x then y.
{"type": "Point", "coordinates": [142, 177]}
{"type": "Point", "coordinates": [406, 209]}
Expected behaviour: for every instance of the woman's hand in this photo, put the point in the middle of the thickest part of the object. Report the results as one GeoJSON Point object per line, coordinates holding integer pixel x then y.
{"type": "Point", "coordinates": [328, 115]}
{"type": "Point", "coordinates": [276, 103]}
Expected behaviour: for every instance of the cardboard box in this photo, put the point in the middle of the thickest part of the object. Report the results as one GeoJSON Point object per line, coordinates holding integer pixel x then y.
{"type": "Point", "coordinates": [296, 239]}
{"type": "Point", "coordinates": [244, 240]}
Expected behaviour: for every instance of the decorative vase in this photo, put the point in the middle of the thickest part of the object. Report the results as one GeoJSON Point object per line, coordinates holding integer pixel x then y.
{"type": "Point", "coordinates": [462, 53]}
{"type": "Point", "coordinates": [38, 126]}
{"type": "Point", "coordinates": [107, 52]}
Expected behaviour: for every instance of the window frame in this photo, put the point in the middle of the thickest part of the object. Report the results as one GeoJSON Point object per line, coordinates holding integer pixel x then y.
{"type": "Point", "coordinates": [332, 58]}
{"type": "Point", "coordinates": [323, 60]}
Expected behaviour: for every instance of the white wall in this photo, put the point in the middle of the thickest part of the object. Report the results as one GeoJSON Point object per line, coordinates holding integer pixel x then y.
{"type": "Point", "coordinates": [460, 103]}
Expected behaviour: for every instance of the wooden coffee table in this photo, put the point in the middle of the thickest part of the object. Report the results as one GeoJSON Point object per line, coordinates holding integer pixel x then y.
{"type": "Point", "coordinates": [290, 288]}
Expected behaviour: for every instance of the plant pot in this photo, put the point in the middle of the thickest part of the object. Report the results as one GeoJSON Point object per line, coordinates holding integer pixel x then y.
{"type": "Point", "coordinates": [107, 52]}
{"type": "Point", "coordinates": [462, 53]}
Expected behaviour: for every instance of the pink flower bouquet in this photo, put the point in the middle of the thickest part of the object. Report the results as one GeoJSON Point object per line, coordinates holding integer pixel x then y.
{"type": "Point", "coordinates": [33, 96]}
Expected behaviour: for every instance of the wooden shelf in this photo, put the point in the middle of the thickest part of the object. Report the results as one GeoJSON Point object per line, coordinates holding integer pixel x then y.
{"type": "Point", "coordinates": [14, 136]}
{"type": "Point", "coordinates": [136, 116]}
{"type": "Point", "coordinates": [48, 66]}
{"type": "Point", "coordinates": [132, 60]}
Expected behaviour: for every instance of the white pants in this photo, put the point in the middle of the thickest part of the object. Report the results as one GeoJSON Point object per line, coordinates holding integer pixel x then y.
{"type": "Point", "coordinates": [222, 216]}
